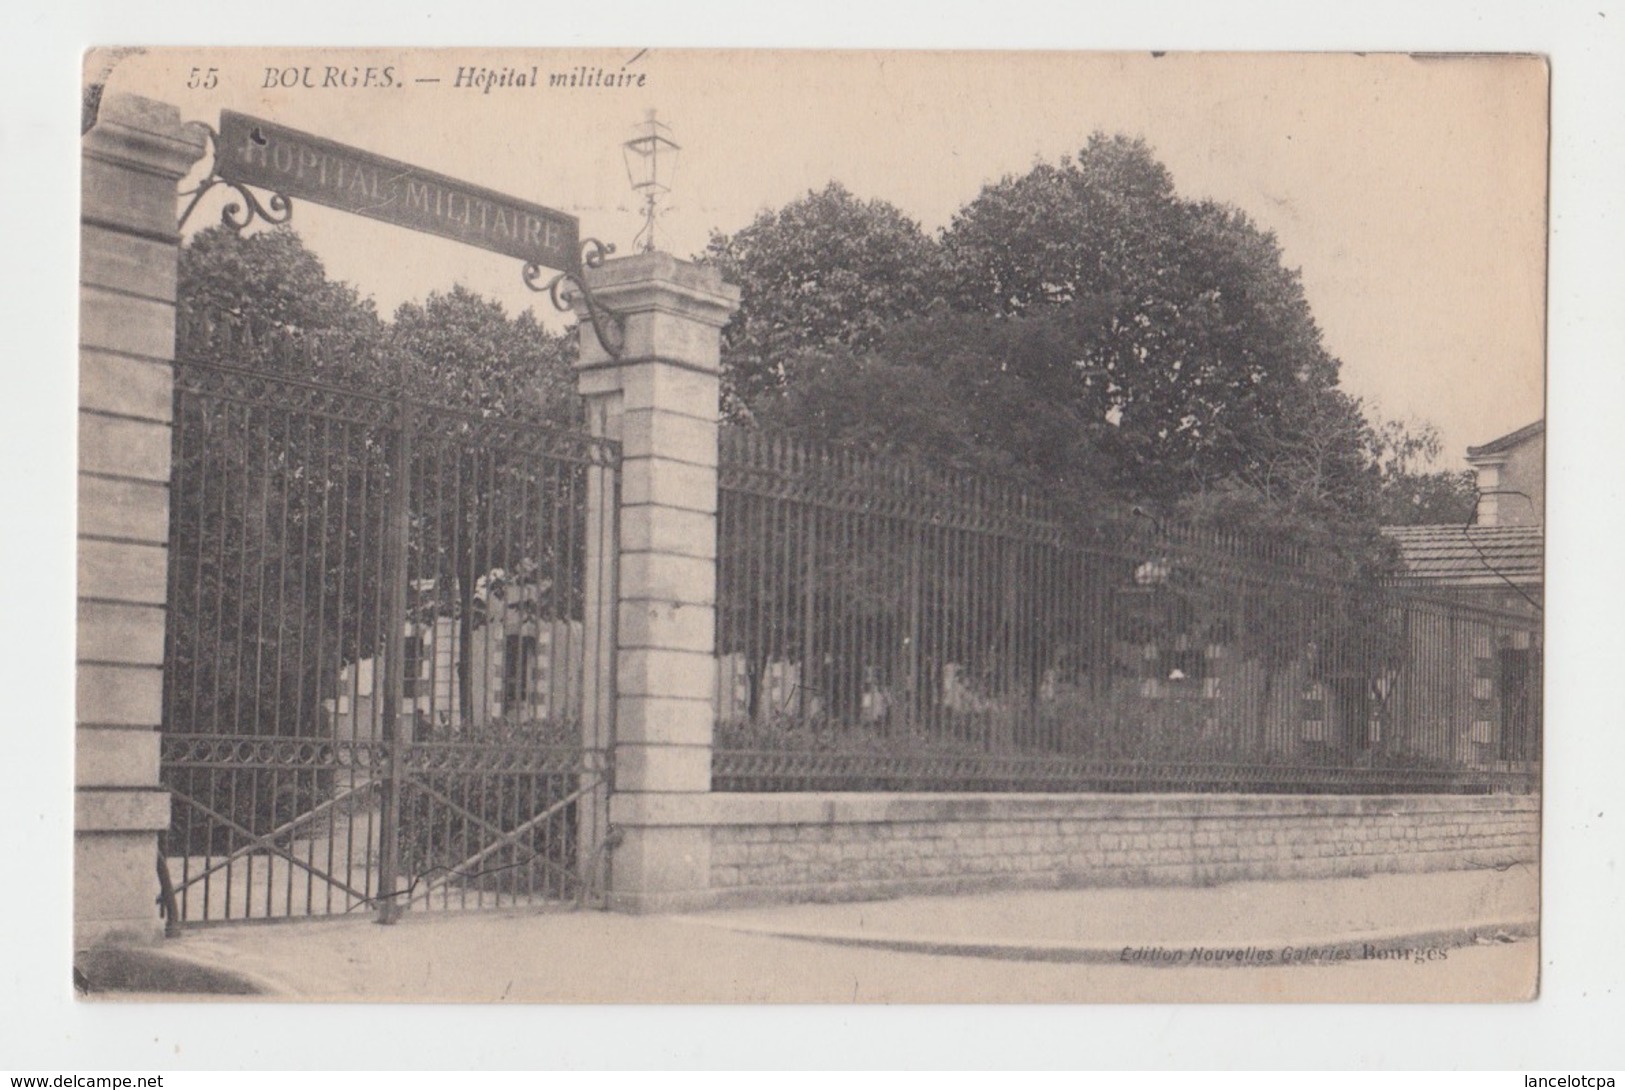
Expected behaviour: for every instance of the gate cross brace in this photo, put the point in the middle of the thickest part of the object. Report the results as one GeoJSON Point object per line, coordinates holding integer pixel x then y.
{"type": "Point", "coordinates": [494, 829]}
{"type": "Point", "coordinates": [264, 841]}
{"type": "Point", "coordinates": [507, 838]}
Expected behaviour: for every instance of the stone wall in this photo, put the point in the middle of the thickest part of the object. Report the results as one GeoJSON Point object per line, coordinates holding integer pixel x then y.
{"type": "Point", "coordinates": [794, 847]}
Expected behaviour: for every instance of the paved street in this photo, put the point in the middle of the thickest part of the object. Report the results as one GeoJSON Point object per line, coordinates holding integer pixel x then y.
{"type": "Point", "coordinates": [1452, 936]}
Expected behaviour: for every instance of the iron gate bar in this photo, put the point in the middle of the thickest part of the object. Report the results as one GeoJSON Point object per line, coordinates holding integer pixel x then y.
{"type": "Point", "coordinates": [307, 519]}
{"type": "Point", "coordinates": [397, 561]}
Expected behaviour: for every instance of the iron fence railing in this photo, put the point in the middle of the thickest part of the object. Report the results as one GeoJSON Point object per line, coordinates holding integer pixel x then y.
{"type": "Point", "coordinates": [376, 674]}
{"type": "Point", "coordinates": [883, 626]}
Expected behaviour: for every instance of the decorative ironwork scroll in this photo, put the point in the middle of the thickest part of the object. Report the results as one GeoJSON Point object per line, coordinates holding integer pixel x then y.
{"type": "Point", "coordinates": [275, 209]}
{"type": "Point", "coordinates": [567, 287]}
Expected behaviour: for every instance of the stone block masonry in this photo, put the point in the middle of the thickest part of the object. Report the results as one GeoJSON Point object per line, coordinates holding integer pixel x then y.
{"type": "Point", "coordinates": [658, 396]}
{"type": "Point", "coordinates": [133, 158]}
{"type": "Point", "coordinates": [767, 849]}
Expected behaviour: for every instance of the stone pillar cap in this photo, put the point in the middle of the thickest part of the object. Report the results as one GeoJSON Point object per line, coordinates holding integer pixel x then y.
{"type": "Point", "coordinates": [652, 281]}
{"type": "Point", "coordinates": [144, 133]}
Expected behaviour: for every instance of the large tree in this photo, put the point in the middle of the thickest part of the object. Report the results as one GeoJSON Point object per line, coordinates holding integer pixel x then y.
{"type": "Point", "coordinates": [826, 270]}
{"type": "Point", "coordinates": [1080, 321]}
{"type": "Point", "coordinates": [1185, 329]}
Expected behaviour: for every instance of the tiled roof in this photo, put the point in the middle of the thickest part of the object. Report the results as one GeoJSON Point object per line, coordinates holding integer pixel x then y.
{"type": "Point", "coordinates": [1472, 556]}
{"type": "Point", "coordinates": [1510, 440]}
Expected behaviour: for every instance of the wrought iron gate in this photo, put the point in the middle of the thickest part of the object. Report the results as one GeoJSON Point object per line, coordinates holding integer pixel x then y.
{"type": "Point", "coordinates": [384, 676]}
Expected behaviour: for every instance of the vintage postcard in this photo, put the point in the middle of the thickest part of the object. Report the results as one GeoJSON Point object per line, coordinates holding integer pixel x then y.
{"type": "Point", "coordinates": [660, 526]}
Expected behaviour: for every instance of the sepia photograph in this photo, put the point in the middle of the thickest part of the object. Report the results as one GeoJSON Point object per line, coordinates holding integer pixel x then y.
{"type": "Point", "coordinates": [653, 526]}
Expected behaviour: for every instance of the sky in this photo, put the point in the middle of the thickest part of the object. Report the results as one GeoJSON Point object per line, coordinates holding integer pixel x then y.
{"type": "Point", "coordinates": [1410, 192]}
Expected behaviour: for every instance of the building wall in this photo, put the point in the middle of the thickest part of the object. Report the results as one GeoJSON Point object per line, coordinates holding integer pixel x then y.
{"type": "Point", "coordinates": [784, 848]}
{"type": "Point", "coordinates": [552, 685]}
{"type": "Point", "coordinates": [1500, 476]}
{"type": "Point", "coordinates": [1525, 471]}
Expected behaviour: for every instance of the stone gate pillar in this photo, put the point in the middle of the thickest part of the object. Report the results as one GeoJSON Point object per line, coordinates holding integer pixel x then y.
{"type": "Point", "coordinates": [660, 400]}
{"type": "Point", "coordinates": [132, 159]}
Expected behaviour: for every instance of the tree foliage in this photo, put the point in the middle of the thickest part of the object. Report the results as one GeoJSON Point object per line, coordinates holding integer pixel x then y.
{"type": "Point", "coordinates": [1080, 324]}
{"type": "Point", "coordinates": [1184, 328]}
{"type": "Point", "coordinates": [1102, 225]}
{"type": "Point", "coordinates": [463, 350]}
{"type": "Point", "coordinates": [1414, 493]}
{"type": "Point", "coordinates": [826, 270]}
{"type": "Point", "coordinates": [960, 391]}
{"type": "Point", "coordinates": [265, 301]}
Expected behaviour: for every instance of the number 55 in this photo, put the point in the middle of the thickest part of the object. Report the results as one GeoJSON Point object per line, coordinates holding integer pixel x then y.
{"type": "Point", "coordinates": [203, 79]}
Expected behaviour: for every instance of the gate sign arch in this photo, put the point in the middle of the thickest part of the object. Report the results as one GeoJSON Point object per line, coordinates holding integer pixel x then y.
{"type": "Point", "coordinates": [254, 152]}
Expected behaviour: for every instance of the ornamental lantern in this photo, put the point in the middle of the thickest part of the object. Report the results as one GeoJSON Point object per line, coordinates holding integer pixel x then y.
{"type": "Point", "coordinates": [651, 163]}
